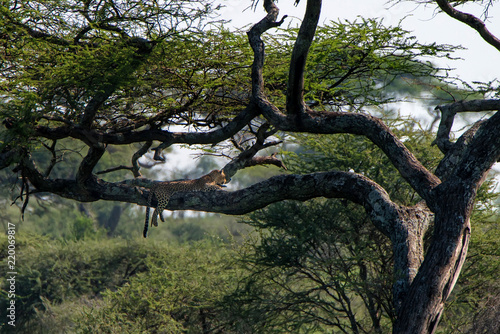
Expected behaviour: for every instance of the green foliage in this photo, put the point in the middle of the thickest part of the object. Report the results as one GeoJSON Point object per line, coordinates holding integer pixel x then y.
{"type": "Point", "coordinates": [59, 57]}
{"type": "Point", "coordinates": [148, 285]}
{"type": "Point", "coordinates": [54, 272]}
{"type": "Point", "coordinates": [185, 228]}
{"type": "Point", "coordinates": [318, 265]}
{"type": "Point", "coordinates": [83, 228]}
{"type": "Point", "coordinates": [358, 63]}
{"type": "Point", "coordinates": [363, 59]}
{"type": "Point", "coordinates": [179, 293]}
{"type": "Point", "coordinates": [49, 81]}
{"type": "Point", "coordinates": [210, 68]}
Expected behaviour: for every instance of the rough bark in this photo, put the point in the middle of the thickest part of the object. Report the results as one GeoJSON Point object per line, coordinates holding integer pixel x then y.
{"type": "Point", "coordinates": [407, 239]}
{"type": "Point", "coordinates": [423, 305]}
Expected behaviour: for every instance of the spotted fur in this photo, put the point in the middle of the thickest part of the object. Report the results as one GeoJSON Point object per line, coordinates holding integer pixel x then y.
{"type": "Point", "coordinates": [163, 191]}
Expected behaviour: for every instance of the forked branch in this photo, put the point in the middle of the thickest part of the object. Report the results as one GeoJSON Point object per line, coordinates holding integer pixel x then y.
{"type": "Point", "coordinates": [448, 113]}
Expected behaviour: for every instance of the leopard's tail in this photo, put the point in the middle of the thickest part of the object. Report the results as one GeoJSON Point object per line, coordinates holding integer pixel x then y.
{"type": "Point", "coordinates": [146, 222]}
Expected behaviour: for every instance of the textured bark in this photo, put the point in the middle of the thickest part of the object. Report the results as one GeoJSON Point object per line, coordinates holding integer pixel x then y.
{"type": "Point", "coordinates": [448, 113]}
{"type": "Point", "coordinates": [407, 239]}
{"type": "Point", "coordinates": [353, 186]}
{"type": "Point", "coordinates": [423, 305]}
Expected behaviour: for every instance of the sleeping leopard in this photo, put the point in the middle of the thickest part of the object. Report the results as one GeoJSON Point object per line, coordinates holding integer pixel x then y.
{"type": "Point", "coordinates": [163, 191]}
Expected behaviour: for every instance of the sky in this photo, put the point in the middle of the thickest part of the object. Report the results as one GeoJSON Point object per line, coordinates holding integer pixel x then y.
{"type": "Point", "coordinates": [480, 60]}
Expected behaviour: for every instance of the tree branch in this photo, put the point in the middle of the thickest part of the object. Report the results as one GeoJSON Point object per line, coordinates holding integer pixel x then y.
{"type": "Point", "coordinates": [35, 33]}
{"type": "Point", "coordinates": [265, 160]}
{"type": "Point", "coordinates": [448, 116]}
{"type": "Point", "coordinates": [471, 21]}
{"type": "Point", "coordinates": [480, 154]}
{"type": "Point", "coordinates": [135, 169]}
{"type": "Point", "coordinates": [295, 93]}
{"type": "Point", "coordinates": [114, 169]}
{"type": "Point", "coordinates": [455, 152]}
{"type": "Point", "coordinates": [135, 158]}
{"type": "Point", "coordinates": [422, 180]}
{"type": "Point", "coordinates": [247, 157]}
{"type": "Point", "coordinates": [9, 156]}
{"type": "Point", "coordinates": [354, 187]}
{"type": "Point", "coordinates": [88, 163]}
{"type": "Point", "coordinates": [254, 35]}
{"type": "Point", "coordinates": [92, 136]}
{"type": "Point", "coordinates": [92, 107]}
{"type": "Point", "coordinates": [351, 186]}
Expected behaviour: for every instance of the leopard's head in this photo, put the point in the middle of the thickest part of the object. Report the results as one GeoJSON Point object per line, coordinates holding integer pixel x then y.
{"type": "Point", "coordinates": [219, 177]}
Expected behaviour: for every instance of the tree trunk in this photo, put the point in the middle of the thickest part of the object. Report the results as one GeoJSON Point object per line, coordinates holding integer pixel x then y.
{"type": "Point", "coordinates": [424, 303]}
{"type": "Point", "coordinates": [408, 248]}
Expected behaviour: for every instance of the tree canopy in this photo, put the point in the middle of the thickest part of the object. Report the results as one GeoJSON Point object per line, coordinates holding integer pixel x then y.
{"type": "Point", "coordinates": [81, 77]}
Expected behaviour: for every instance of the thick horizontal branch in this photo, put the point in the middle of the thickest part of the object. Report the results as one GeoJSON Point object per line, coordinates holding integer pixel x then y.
{"type": "Point", "coordinates": [351, 186]}
{"type": "Point", "coordinates": [471, 105]}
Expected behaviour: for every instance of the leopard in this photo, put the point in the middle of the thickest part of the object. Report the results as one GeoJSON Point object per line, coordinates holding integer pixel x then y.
{"type": "Point", "coordinates": [163, 191]}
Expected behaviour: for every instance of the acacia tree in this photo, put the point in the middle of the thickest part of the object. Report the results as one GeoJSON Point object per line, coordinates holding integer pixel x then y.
{"type": "Point", "coordinates": [124, 72]}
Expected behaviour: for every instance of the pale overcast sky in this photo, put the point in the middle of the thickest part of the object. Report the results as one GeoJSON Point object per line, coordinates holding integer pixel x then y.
{"type": "Point", "coordinates": [481, 61]}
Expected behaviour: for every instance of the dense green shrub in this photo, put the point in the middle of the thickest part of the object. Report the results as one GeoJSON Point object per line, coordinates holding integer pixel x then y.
{"type": "Point", "coordinates": [115, 285]}
{"type": "Point", "coordinates": [179, 293]}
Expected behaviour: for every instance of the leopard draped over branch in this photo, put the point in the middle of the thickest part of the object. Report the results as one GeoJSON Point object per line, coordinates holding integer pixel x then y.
{"type": "Point", "coordinates": [163, 191]}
